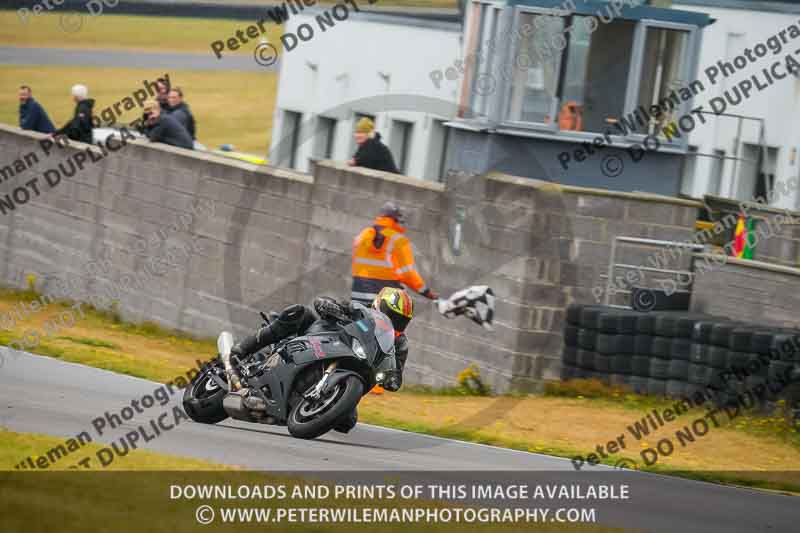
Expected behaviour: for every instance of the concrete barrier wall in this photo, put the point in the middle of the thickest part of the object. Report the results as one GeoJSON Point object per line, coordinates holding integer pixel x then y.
{"type": "Point", "coordinates": [227, 239]}
{"type": "Point", "coordinates": [750, 291]}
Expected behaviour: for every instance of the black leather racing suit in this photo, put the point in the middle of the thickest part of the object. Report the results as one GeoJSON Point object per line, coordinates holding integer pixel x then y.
{"type": "Point", "coordinates": [300, 320]}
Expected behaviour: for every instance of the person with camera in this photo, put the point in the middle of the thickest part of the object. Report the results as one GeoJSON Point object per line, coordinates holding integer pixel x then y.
{"type": "Point", "coordinates": [160, 127]}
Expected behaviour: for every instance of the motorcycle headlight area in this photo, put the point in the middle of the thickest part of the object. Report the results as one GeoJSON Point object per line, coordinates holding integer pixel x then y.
{"type": "Point", "coordinates": [358, 349]}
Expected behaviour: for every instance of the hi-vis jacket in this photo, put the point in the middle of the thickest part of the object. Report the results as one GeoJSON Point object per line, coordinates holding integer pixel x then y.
{"type": "Point", "coordinates": [382, 257]}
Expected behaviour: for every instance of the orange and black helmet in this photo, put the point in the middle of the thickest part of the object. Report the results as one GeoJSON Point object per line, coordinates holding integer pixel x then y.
{"type": "Point", "coordinates": [395, 304]}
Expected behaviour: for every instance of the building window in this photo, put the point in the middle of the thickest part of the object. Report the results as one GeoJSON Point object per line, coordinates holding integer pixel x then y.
{"type": "Point", "coordinates": [324, 137]}
{"type": "Point", "coordinates": [663, 72]}
{"type": "Point", "coordinates": [437, 151]}
{"type": "Point", "coordinates": [688, 171]}
{"type": "Point", "coordinates": [534, 84]}
{"type": "Point", "coordinates": [587, 94]}
{"type": "Point", "coordinates": [593, 95]}
{"type": "Point", "coordinates": [400, 143]}
{"type": "Point", "coordinates": [624, 76]}
{"type": "Point", "coordinates": [717, 167]}
{"type": "Point", "coordinates": [290, 139]}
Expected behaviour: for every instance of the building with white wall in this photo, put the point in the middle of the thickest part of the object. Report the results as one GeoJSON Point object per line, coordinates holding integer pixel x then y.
{"type": "Point", "coordinates": [410, 74]}
{"type": "Point", "coordinates": [733, 154]}
{"type": "Point", "coordinates": [367, 65]}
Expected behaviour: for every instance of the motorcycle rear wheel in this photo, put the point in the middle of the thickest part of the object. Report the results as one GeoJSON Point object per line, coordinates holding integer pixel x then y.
{"type": "Point", "coordinates": [310, 419]}
{"type": "Point", "coordinates": [202, 399]}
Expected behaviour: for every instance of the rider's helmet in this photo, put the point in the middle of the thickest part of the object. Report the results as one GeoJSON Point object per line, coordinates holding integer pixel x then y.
{"type": "Point", "coordinates": [395, 304]}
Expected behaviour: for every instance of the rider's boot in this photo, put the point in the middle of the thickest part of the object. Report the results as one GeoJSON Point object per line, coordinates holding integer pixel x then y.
{"type": "Point", "coordinates": [395, 380]}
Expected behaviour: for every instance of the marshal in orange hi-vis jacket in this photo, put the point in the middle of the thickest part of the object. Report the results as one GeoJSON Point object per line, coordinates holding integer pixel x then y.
{"type": "Point", "coordinates": [382, 257]}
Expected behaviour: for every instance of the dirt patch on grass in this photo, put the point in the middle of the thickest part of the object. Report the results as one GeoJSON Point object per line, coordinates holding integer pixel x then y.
{"type": "Point", "coordinates": [580, 425]}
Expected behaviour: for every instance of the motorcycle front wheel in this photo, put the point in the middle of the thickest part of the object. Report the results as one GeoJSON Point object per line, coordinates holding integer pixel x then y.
{"type": "Point", "coordinates": [311, 418]}
{"type": "Point", "coordinates": [202, 399]}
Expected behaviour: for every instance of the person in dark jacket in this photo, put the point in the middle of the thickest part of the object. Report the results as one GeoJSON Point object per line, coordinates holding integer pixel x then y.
{"type": "Point", "coordinates": [161, 127]}
{"type": "Point", "coordinates": [163, 87]}
{"type": "Point", "coordinates": [80, 127]}
{"type": "Point", "coordinates": [371, 153]}
{"type": "Point", "coordinates": [180, 110]}
{"type": "Point", "coordinates": [32, 115]}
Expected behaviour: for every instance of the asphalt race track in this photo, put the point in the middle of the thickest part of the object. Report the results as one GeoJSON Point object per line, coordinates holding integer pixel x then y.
{"type": "Point", "coordinates": [11, 55]}
{"type": "Point", "coordinates": [45, 395]}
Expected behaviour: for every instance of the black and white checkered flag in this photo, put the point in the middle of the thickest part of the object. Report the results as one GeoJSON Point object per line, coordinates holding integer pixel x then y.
{"type": "Point", "coordinates": [476, 303]}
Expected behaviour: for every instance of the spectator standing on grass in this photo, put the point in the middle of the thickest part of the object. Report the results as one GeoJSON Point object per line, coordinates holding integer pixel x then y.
{"type": "Point", "coordinates": [163, 87]}
{"type": "Point", "coordinates": [180, 111]}
{"type": "Point", "coordinates": [80, 127]}
{"type": "Point", "coordinates": [371, 153]}
{"type": "Point", "coordinates": [32, 115]}
{"type": "Point", "coordinates": [163, 128]}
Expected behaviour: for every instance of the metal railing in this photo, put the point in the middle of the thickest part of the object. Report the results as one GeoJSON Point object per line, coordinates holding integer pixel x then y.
{"type": "Point", "coordinates": [613, 265]}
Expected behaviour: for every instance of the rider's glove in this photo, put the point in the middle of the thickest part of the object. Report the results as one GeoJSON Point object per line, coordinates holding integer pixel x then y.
{"type": "Point", "coordinates": [237, 350]}
{"type": "Point", "coordinates": [430, 294]}
{"type": "Point", "coordinates": [393, 383]}
{"type": "Point", "coordinates": [328, 308]}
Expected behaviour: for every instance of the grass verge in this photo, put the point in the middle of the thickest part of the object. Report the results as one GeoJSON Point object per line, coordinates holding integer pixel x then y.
{"type": "Point", "coordinates": [88, 501]}
{"type": "Point", "coordinates": [15, 445]}
{"type": "Point", "coordinates": [758, 456]}
{"type": "Point", "coordinates": [129, 32]}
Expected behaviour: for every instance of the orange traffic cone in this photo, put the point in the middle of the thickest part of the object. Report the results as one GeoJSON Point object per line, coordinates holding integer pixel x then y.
{"type": "Point", "coordinates": [377, 389]}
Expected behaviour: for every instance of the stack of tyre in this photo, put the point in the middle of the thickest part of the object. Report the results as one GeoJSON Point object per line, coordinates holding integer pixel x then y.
{"type": "Point", "coordinates": [731, 359]}
{"type": "Point", "coordinates": [648, 352]}
{"type": "Point", "coordinates": [599, 343]}
{"type": "Point", "coordinates": [678, 354]}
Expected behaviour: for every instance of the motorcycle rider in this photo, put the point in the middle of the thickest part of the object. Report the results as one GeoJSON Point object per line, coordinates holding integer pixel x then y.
{"type": "Point", "coordinates": [298, 319]}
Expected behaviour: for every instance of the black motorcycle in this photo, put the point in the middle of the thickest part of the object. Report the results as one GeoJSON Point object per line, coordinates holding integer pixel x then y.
{"type": "Point", "coordinates": [316, 387]}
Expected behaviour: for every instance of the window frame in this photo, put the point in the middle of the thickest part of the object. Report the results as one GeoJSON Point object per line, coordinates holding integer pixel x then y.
{"type": "Point", "coordinates": [406, 143]}
{"type": "Point", "coordinates": [496, 12]}
{"type": "Point", "coordinates": [509, 56]}
{"type": "Point", "coordinates": [506, 27]}
{"type": "Point", "coordinates": [330, 141]}
{"type": "Point", "coordinates": [635, 74]}
{"type": "Point", "coordinates": [291, 158]}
